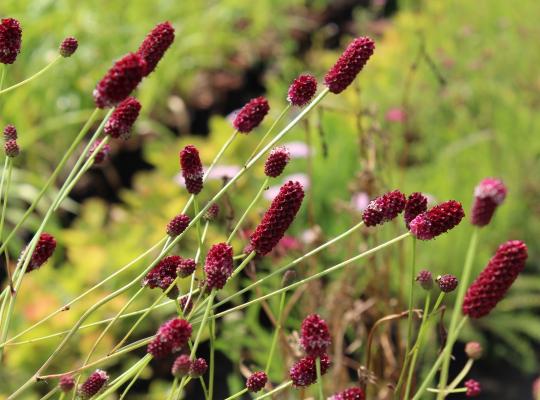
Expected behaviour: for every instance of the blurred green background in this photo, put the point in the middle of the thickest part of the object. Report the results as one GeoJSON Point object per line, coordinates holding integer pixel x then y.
{"type": "Point", "coordinates": [451, 96]}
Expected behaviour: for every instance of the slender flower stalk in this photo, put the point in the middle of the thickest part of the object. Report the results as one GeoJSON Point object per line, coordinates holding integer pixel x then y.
{"type": "Point", "coordinates": [278, 389]}
{"type": "Point", "coordinates": [277, 331]}
{"type": "Point", "coordinates": [33, 77]}
{"type": "Point", "coordinates": [319, 378]}
{"type": "Point", "coordinates": [7, 170]}
{"type": "Point", "coordinates": [269, 131]}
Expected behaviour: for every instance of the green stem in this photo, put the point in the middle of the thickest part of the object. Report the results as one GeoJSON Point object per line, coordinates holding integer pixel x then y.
{"type": "Point", "coordinates": [5, 195]}
{"type": "Point", "coordinates": [466, 369]}
{"type": "Point", "coordinates": [246, 212]}
{"type": "Point", "coordinates": [135, 378]}
{"type": "Point", "coordinates": [463, 284]}
{"type": "Point", "coordinates": [51, 393]}
{"type": "Point", "coordinates": [212, 359]}
{"type": "Point", "coordinates": [276, 333]}
{"type": "Point", "coordinates": [173, 388]}
{"type": "Point", "coordinates": [319, 378]}
{"type": "Point", "coordinates": [203, 323]}
{"type": "Point", "coordinates": [276, 390]}
{"type": "Point", "coordinates": [198, 225]}
{"type": "Point", "coordinates": [237, 394]}
{"type": "Point", "coordinates": [3, 69]}
{"type": "Point", "coordinates": [412, 285]}
{"type": "Point", "coordinates": [220, 154]}
{"type": "Point", "coordinates": [31, 78]}
{"type": "Point", "coordinates": [460, 390]}
{"type": "Point", "coordinates": [276, 121]}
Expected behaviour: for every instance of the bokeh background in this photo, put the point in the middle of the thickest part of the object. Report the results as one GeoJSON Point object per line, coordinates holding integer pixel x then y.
{"type": "Point", "coordinates": [451, 96]}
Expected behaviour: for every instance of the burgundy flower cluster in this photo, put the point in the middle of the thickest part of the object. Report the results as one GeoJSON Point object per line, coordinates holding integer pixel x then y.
{"type": "Point", "coordinates": [276, 162]}
{"type": "Point", "coordinates": [183, 366]}
{"type": "Point", "coordinates": [11, 147]}
{"type": "Point", "coordinates": [94, 384]}
{"type": "Point", "coordinates": [167, 270]}
{"type": "Point", "coordinates": [251, 115]}
{"type": "Point", "coordinates": [218, 266]}
{"type": "Point", "coordinates": [437, 220]}
{"type": "Point", "coordinates": [353, 393]}
{"type": "Point", "coordinates": [416, 205]}
{"type": "Point", "coordinates": [384, 208]}
{"type": "Point", "coordinates": [68, 46]}
{"type": "Point", "coordinates": [488, 195]}
{"type": "Point", "coordinates": [101, 154]}
{"type": "Point", "coordinates": [171, 337]}
{"type": "Point", "coordinates": [10, 40]}
{"type": "Point", "coordinates": [302, 90]}
{"type": "Point", "coordinates": [42, 252]}
{"type": "Point", "coordinates": [192, 169]}
{"type": "Point", "coordinates": [122, 119]}
{"type": "Point", "coordinates": [177, 225]}
{"type": "Point", "coordinates": [256, 381]}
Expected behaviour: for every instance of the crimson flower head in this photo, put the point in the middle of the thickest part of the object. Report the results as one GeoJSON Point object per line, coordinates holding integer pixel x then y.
{"type": "Point", "coordinates": [94, 384]}
{"type": "Point", "coordinates": [102, 153]}
{"type": "Point", "coordinates": [42, 252]}
{"type": "Point", "coordinates": [155, 45]}
{"type": "Point", "coordinates": [304, 373]}
{"type": "Point", "coordinates": [277, 218]}
{"type": "Point", "coordinates": [447, 283]}
{"type": "Point", "coordinates": [349, 64]}
{"type": "Point", "coordinates": [10, 40]}
{"type": "Point", "coordinates": [218, 266]}
{"type": "Point", "coordinates": [438, 220]}
{"type": "Point", "coordinates": [181, 366]}
{"type": "Point", "coordinates": [302, 90]}
{"type": "Point", "coordinates": [276, 162]}
{"type": "Point", "coordinates": [163, 274]}
{"type": "Point", "coordinates": [473, 388]}
{"type": "Point", "coordinates": [119, 81]}
{"type": "Point", "coordinates": [192, 169]}
{"type": "Point", "coordinates": [425, 279]}
{"type": "Point", "coordinates": [198, 367]}
{"type": "Point", "coordinates": [11, 148]}
{"type": "Point", "coordinates": [384, 208]}
{"type": "Point", "coordinates": [170, 337]}
{"type": "Point", "coordinates": [256, 381]}
{"type": "Point", "coordinates": [488, 195]}
{"type": "Point", "coordinates": [251, 115]}
{"type": "Point", "coordinates": [68, 46]}
{"type": "Point", "coordinates": [122, 118]}
{"type": "Point", "coordinates": [212, 212]}
{"type": "Point", "coordinates": [416, 204]}
{"type": "Point", "coordinates": [177, 225]}
{"type": "Point", "coordinates": [353, 393]}
{"type": "Point", "coordinates": [315, 336]}
{"type": "Point", "coordinates": [66, 383]}
{"type": "Point", "coordinates": [10, 132]}
{"type": "Point", "coordinates": [186, 267]}
{"type": "Point", "coordinates": [494, 281]}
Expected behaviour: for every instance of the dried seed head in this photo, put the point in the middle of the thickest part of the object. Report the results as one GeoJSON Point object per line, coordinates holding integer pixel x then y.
{"type": "Point", "coordinates": [277, 218]}
{"type": "Point", "coordinates": [425, 279]}
{"type": "Point", "coordinates": [177, 225]}
{"type": "Point", "coordinates": [218, 266]}
{"type": "Point", "coordinates": [474, 350]}
{"type": "Point", "coordinates": [42, 252]}
{"type": "Point", "coordinates": [256, 381]}
{"type": "Point", "coordinates": [303, 372]}
{"type": "Point", "coordinates": [447, 283]}
{"type": "Point", "coordinates": [10, 132]}
{"type": "Point", "coordinates": [155, 45]}
{"type": "Point", "coordinates": [488, 195]}
{"type": "Point", "coordinates": [384, 208]}
{"type": "Point", "coordinates": [438, 220]}
{"type": "Point", "coordinates": [10, 40]}
{"type": "Point", "coordinates": [181, 366]}
{"type": "Point", "coordinates": [119, 81]}
{"type": "Point", "coordinates": [251, 115]}
{"type": "Point", "coordinates": [186, 267]}
{"type": "Point", "coordinates": [102, 153]}
{"type": "Point", "coordinates": [212, 212]}
{"type": "Point", "coordinates": [192, 169]}
{"type": "Point", "coordinates": [276, 162]}
{"type": "Point", "coordinates": [164, 273]}
{"type": "Point", "coordinates": [198, 368]}
{"type": "Point", "coordinates": [494, 281]}
{"type": "Point", "coordinates": [68, 46]}
{"type": "Point", "coordinates": [416, 205]}
{"type": "Point", "coordinates": [302, 90]}
{"type": "Point", "coordinates": [315, 336]}
{"type": "Point", "coordinates": [66, 383]}
{"type": "Point", "coordinates": [473, 388]}
{"type": "Point", "coordinates": [349, 64]}
{"type": "Point", "coordinates": [12, 148]}
{"type": "Point", "coordinates": [353, 393]}
{"type": "Point", "coordinates": [122, 119]}
{"type": "Point", "coordinates": [94, 384]}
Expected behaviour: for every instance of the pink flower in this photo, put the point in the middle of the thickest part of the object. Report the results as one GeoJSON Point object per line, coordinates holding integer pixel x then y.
{"type": "Point", "coordinates": [396, 114]}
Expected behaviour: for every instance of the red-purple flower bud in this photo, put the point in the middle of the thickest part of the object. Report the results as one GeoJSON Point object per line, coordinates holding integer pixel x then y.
{"type": "Point", "coordinates": [119, 81]}
{"type": "Point", "coordinates": [416, 205]}
{"type": "Point", "coordinates": [353, 393]}
{"type": "Point", "coordinates": [315, 336]}
{"type": "Point", "coordinates": [170, 337]}
{"type": "Point", "coordinates": [276, 162]}
{"type": "Point", "coordinates": [186, 267]}
{"type": "Point", "coordinates": [384, 208]}
{"type": "Point", "coordinates": [251, 115]}
{"type": "Point", "coordinates": [122, 119]}
{"type": "Point", "coordinates": [447, 283]}
{"type": "Point", "coordinates": [177, 225]}
{"type": "Point", "coordinates": [303, 372]}
{"type": "Point", "coordinates": [425, 279]}
{"type": "Point", "coordinates": [66, 383]}
{"type": "Point", "coordinates": [42, 252]}
{"type": "Point", "coordinates": [186, 305]}
{"type": "Point", "coordinates": [277, 218]}
{"type": "Point", "coordinates": [11, 147]}
{"type": "Point", "coordinates": [349, 64]}
{"type": "Point", "coordinates": [155, 45]}
{"type": "Point", "coordinates": [302, 90]}
{"type": "Point", "coordinates": [10, 40]}
{"type": "Point", "coordinates": [158, 348]}
{"type": "Point", "coordinates": [102, 153]}
{"type": "Point", "coordinates": [94, 384]}
{"type": "Point", "coordinates": [181, 366]}
{"type": "Point", "coordinates": [473, 388]}
{"type": "Point", "coordinates": [494, 281]}
{"type": "Point", "coordinates": [198, 368]}
{"type": "Point", "coordinates": [192, 169]}
{"type": "Point", "coordinates": [68, 46]}
{"type": "Point", "coordinates": [212, 212]}
{"type": "Point", "coordinates": [438, 220]}
{"type": "Point", "coordinates": [488, 195]}
{"type": "Point", "coordinates": [164, 273]}
{"type": "Point", "coordinates": [218, 266]}
{"type": "Point", "coordinates": [256, 381]}
{"type": "Point", "coordinates": [10, 132]}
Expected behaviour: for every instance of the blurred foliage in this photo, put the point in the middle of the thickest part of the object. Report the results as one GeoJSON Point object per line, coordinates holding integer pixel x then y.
{"type": "Point", "coordinates": [463, 75]}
